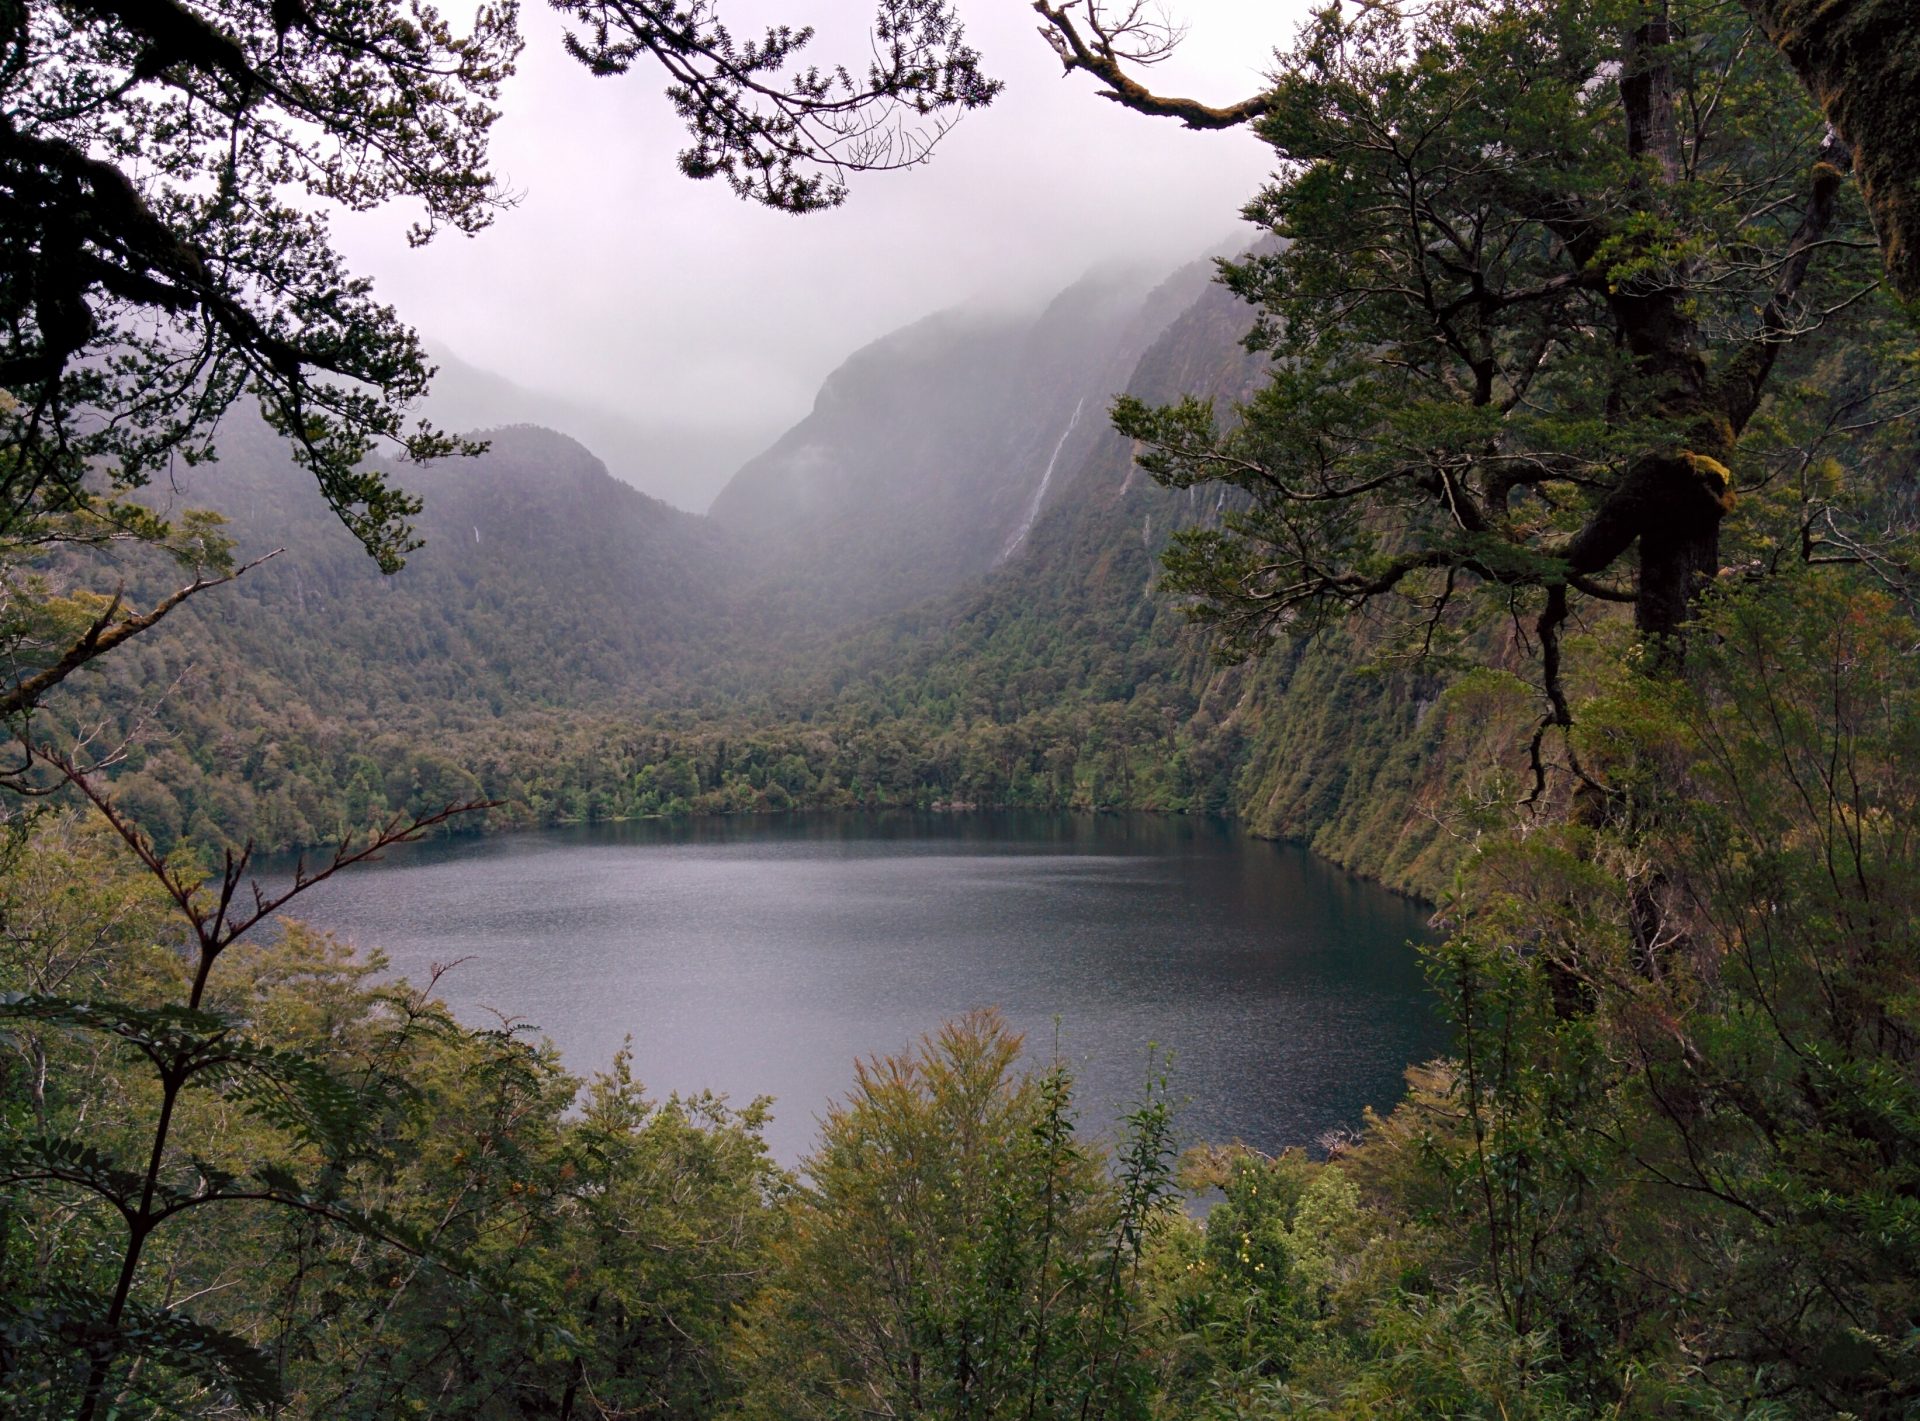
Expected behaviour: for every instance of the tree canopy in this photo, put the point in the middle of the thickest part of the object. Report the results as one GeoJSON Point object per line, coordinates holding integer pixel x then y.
{"type": "Point", "coordinates": [1535, 270]}
{"type": "Point", "coordinates": [168, 167]}
{"type": "Point", "coordinates": [1856, 58]}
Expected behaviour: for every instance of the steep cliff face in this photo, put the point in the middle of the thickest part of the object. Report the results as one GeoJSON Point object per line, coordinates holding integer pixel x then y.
{"type": "Point", "coordinates": [1321, 744]}
{"type": "Point", "coordinates": [930, 455]}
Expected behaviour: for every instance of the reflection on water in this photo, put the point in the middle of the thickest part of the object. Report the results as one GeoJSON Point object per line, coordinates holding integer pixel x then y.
{"type": "Point", "coordinates": [760, 956]}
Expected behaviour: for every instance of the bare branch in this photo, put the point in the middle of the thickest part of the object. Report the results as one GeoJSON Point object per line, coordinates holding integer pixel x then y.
{"type": "Point", "coordinates": [103, 635]}
{"type": "Point", "coordinates": [1109, 42]}
{"type": "Point", "coordinates": [1738, 384]}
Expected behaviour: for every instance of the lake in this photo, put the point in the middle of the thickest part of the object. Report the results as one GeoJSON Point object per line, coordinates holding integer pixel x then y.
{"type": "Point", "coordinates": [762, 955]}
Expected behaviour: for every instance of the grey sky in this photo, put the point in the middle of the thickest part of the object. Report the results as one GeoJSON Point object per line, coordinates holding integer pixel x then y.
{"type": "Point", "coordinates": [670, 301]}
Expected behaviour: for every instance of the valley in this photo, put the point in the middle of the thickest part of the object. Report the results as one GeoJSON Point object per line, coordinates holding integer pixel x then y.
{"type": "Point", "coordinates": [936, 590]}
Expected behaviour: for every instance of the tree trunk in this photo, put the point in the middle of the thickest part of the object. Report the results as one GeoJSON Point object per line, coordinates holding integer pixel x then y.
{"type": "Point", "coordinates": [1860, 59]}
{"type": "Point", "coordinates": [1679, 549]}
{"type": "Point", "coordinates": [1674, 570]}
{"type": "Point", "coordinates": [1674, 497]}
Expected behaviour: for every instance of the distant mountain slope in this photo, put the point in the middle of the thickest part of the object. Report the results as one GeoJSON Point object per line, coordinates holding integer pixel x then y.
{"type": "Point", "coordinates": [543, 581]}
{"type": "Point", "coordinates": [929, 454]}
{"type": "Point", "coordinates": [681, 464]}
{"type": "Point", "coordinates": [938, 588]}
{"type": "Point", "coordinates": [1308, 743]}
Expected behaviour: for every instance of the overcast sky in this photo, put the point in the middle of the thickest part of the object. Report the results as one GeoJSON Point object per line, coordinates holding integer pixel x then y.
{"type": "Point", "coordinates": [623, 283]}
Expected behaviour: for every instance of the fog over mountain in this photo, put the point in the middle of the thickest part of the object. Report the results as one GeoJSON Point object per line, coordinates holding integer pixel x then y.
{"type": "Point", "coordinates": [684, 464]}
{"type": "Point", "coordinates": [936, 587]}
{"type": "Point", "coordinates": [930, 454]}
{"type": "Point", "coordinates": [681, 308]}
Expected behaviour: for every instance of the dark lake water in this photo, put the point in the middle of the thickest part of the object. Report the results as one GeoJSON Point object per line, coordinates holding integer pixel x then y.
{"type": "Point", "coordinates": [761, 956]}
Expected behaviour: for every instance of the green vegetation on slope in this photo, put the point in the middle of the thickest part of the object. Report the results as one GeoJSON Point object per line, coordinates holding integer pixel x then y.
{"type": "Point", "coordinates": [1678, 1187]}
{"type": "Point", "coordinates": [580, 652]}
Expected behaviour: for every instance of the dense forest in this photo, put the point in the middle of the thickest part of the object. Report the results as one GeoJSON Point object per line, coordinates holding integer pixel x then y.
{"type": "Point", "coordinates": [1524, 517]}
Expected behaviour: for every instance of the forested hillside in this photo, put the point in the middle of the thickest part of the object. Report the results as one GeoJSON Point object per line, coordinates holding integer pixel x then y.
{"type": "Point", "coordinates": [316, 691]}
{"type": "Point", "coordinates": [540, 580]}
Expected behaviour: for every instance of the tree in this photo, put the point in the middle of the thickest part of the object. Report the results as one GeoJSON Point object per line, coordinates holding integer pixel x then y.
{"type": "Point", "coordinates": [361, 1207]}
{"type": "Point", "coordinates": [1710, 1154]}
{"type": "Point", "coordinates": [1856, 57]}
{"type": "Point", "coordinates": [789, 139]}
{"type": "Point", "coordinates": [162, 164]}
{"type": "Point", "coordinates": [955, 1251]}
{"type": "Point", "coordinates": [190, 1047]}
{"type": "Point", "coordinates": [1552, 282]}
{"type": "Point", "coordinates": [1536, 267]}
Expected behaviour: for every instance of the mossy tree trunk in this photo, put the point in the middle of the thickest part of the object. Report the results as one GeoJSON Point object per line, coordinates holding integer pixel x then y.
{"type": "Point", "coordinates": [1860, 59]}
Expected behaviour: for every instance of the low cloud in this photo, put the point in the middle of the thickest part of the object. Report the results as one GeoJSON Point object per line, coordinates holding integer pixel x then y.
{"type": "Point", "coordinates": [622, 284]}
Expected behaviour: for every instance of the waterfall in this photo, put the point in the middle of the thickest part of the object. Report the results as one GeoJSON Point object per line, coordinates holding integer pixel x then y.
{"type": "Point", "coordinates": [1040, 494]}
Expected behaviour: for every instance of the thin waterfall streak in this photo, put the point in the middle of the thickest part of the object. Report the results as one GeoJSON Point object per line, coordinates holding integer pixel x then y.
{"type": "Point", "coordinates": [1040, 494]}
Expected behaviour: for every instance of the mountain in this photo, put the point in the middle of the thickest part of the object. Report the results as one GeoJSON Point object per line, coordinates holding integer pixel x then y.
{"type": "Point", "coordinates": [542, 580]}
{"type": "Point", "coordinates": [313, 694]}
{"type": "Point", "coordinates": [1068, 639]}
{"type": "Point", "coordinates": [937, 588]}
{"type": "Point", "coordinates": [680, 464]}
{"type": "Point", "coordinates": [930, 454]}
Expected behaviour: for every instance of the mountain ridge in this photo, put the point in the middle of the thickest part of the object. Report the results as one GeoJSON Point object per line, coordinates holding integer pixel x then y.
{"type": "Point", "coordinates": [684, 465]}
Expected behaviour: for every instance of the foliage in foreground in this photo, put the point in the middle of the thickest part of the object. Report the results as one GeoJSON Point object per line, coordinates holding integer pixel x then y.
{"type": "Point", "coordinates": [365, 1209]}
{"type": "Point", "coordinates": [1668, 1170]}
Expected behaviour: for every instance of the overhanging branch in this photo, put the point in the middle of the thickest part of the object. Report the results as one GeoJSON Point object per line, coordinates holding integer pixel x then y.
{"type": "Point", "coordinates": [1098, 53]}
{"type": "Point", "coordinates": [103, 635]}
